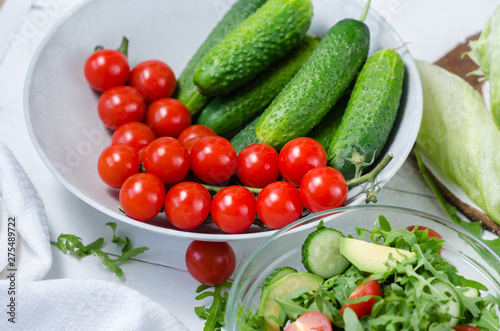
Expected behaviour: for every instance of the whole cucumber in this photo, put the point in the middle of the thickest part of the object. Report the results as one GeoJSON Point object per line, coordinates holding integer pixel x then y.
{"type": "Point", "coordinates": [317, 86]}
{"type": "Point", "coordinates": [186, 91]}
{"type": "Point", "coordinates": [245, 137]}
{"type": "Point", "coordinates": [261, 39]}
{"type": "Point", "coordinates": [226, 113]}
{"type": "Point", "coordinates": [371, 111]}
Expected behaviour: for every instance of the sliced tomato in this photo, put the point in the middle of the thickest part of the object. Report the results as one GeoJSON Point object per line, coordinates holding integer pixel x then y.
{"type": "Point", "coordinates": [363, 308]}
{"type": "Point", "coordinates": [312, 321]}
{"type": "Point", "coordinates": [431, 233]}
{"type": "Point", "coordinates": [465, 328]}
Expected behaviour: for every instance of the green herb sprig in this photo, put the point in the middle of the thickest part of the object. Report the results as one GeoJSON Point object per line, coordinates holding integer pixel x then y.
{"type": "Point", "coordinates": [72, 244]}
{"type": "Point", "coordinates": [214, 315]}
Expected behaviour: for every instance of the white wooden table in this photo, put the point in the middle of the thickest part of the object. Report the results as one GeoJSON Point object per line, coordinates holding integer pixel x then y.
{"type": "Point", "coordinates": [431, 27]}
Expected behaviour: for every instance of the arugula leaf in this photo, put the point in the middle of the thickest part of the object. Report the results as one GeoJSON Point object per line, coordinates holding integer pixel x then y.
{"type": "Point", "coordinates": [74, 245]}
{"type": "Point", "coordinates": [214, 315]}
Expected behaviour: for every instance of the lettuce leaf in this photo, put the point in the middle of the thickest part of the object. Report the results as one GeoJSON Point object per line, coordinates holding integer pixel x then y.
{"type": "Point", "coordinates": [485, 52]}
{"type": "Point", "coordinates": [457, 134]}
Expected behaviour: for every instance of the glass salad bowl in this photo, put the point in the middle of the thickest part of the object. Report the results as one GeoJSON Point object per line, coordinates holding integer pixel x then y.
{"type": "Point", "coordinates": [472, 258]}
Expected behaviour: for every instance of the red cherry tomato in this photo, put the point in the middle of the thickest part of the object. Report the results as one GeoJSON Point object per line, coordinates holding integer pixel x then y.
{"type": "Point", "coordinates": [465, 328]}
{"type": "Point", "coordinates": [187, 205]}
{"type": "Point", "coordinates": [233, 209]}
{"type": "Point", "coordinates": [154, 79]}
{"type": "Point", "coordinates": [323, 188]}
{"type": "Point", "coordinates": [298, 156]}
{"type": "Point", "coordinates": [134, 134]}
{"type": "Point", "coordinates": [431, 233]}
{"type": "Point", "coordinates": [257, 165]}
{"type": "Point", "coordinates": [192, 134]}
{"type": "Point", "coordinates": [210, 263]}
{"type": "Point", "coordinates": [279, 204]}
{"type": "Point", "coordinates": [142, 196]}
{"type": "Point", "coordinates": [119, 105]}
{"type": "Point", "coordinates": [167, 117]}
{"type": "Point", "coordinates": [116, 163]}
{"type": "Point", "coordinates": [213, 159]}
{"type": "Point", "coordinates": [363, 308]}
{"type": "Point", "coordinates": [106, 68]}
{"type": "Point", "coordinates": [311, 321]}
{"type": "Point", "coordinates": [167, 159]}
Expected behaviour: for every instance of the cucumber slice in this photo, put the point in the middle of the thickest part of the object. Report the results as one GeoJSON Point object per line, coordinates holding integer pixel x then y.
{"type": "Point", "coordinates": [321, 253]}
{"type": "Point", "coordinates": [276, 275]}
{"type": "Point", "coordinates": [452, 305]}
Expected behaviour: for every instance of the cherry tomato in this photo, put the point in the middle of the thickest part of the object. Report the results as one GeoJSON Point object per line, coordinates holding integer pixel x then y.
{"type": "Point", "coordinates": [192, 134]}
{"type": "Point", "coordinates": [298, 156]}
{"type": "Point", "coordinates": [430, 233]}
{"type": "Point", "coordinates": [167, 117]}
{"type": "Point", "coordinates": [141, 196]}
{"type": "Point", "coordinates": [213, 159]}
{"type": "Point", "coordinates": [119, 105]}
{"type": "Point", "coordinates": [363, 308]}
{"type": "Point", "coordinates": [167, 159]}
{"type": "Point", "coordinates": [279, 204]}
{"type": "Point", "coordinates": [210, 263]}
{"type": "Point", "coordinates": [106, 68]}
{"type": "Point", "coordinates": [323, 188]}
{"type": "Point", "coordinates": [187, 205]}
{"type": "Point", "coordinates": [135, 134]}
{"type": "Point", "coordinates": [116, 163]}
{"type": "Point", "coordinates": [154, 79]}
{"type": "Point", "coordinates": [233, 209]}
{"type": "Point", "coordinates": [258, 165]}
{"type": "Point", "coordinates": [311, 321]}
{"type": "Point", "coordinates": [465, 328]}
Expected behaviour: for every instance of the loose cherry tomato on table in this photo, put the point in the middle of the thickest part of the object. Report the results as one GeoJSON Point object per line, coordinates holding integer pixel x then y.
{"type": "Point", "coordinates": [193, 133]}
{"type": "Point", "coordinates": [119, 105]}
{"type": "Point", "coordinates": [210, 263]}
{"type": "Point", "coordinates": [233, 209]}
{"type": "Point", "coordinates": [465, 328]}
{"type": "Point", "coordinates": [141, 196]}
{"type": "Point", "coordinates": [213, 159]}
{"type": "Point", "coordinates": [430, 233]}
{"type": "Point", "coordinates": [323, 188]}
{"type": "Point", "coordinates": [311, 321]}
{"type": "Point", "coordinates": [107, 68]}
{"type": "Point", "coordinates": [363, 308]}
{"type": "Point", "coordinates": [167, 117]}
{"type": "Point", "coordinates": [154, 79]}
{"type": "Point", "coordinates": [135, 134]}
{"type": "Point", "coordinates": [116, 163]}
{"type": "Point", "coordinates": [257, 165]}
{"type": "Point", "coordinates": [187, 205]}
{"type": "Point", "coordinates": [279, 204]}
{"type": "Point", "coordinates": [298, 156]}
{"type": "Point", "coordinates": [166, 158]}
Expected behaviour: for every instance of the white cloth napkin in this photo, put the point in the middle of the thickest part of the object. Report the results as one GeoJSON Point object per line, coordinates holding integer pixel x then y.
{"type": "Point", "coordinates": [58, 304]}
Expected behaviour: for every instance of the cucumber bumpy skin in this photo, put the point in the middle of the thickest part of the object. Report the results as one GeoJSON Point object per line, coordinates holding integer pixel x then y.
{"type": "Point", "coordinates": [371, 111]}
{"type": "Point", "coordinates": [318, 85]}
{"type": "Point", "coordinates": [231, 112]}
{"type": "Point", "coordinates": [245, 137]}
{"type": "Point", "coordinates": [260, 40]}
{"type": "Point", "coordinates": [186, 91]}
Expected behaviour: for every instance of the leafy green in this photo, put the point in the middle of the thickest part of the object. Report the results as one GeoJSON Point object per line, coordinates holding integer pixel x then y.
{"type": "Point", "coordinates": [214, 315]}
{"type": "Point", "coordinates": [70, 243]}
{"type": "Point", "coordinates": [485, 52]}
{"type": "Point", "coordinates": [458, 136]}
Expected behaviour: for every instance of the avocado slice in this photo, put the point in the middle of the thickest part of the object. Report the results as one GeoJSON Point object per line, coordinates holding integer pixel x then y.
{"type": "Point", "coordinates": [370, 257]}
{"type": "Point", "coordinates": [287, 284]}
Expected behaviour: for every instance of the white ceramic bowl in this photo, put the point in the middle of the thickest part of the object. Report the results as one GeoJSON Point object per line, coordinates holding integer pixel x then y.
{"type": "Point", "coordinates": [61, 108]}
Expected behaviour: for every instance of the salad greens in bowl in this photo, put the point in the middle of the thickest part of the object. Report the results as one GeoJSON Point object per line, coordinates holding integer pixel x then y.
{"type": "Point", "coordinates": [368, 268]}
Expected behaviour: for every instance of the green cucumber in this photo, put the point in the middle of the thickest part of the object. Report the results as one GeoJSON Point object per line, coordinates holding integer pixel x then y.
{"type": "Point", "coordinates": [371, 111]}
{"type": "Point", "coordinates": [186, 91]}
{"type": "Point", "coordinates": [260, 40]}
{"type": "Point", "coordinates": [276, 275]}
{"type": "Point", "coordinates": [245, 137]}
{"type": "Point", "coordinates": [230, 112]}
{"type": "Point", "coordinates": [318, 85]}
{"type": "Point", "coordinates": [325, 130]}
{"type": "Point", "coordinates": [321, 253]}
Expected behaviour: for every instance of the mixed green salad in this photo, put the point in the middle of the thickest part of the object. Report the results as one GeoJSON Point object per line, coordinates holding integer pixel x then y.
{"type": "Point", "coordinates": [398, 281]}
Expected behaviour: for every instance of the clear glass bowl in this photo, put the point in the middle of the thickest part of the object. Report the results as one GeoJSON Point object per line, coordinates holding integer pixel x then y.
{"type": "Point", "coordinates": [472, 258]}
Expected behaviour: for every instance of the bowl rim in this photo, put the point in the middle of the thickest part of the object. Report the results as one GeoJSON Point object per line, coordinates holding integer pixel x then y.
{"type": "Point", "coordinates": [383, 177]}
{"type": "Point", "coordinates": [233, 301]}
